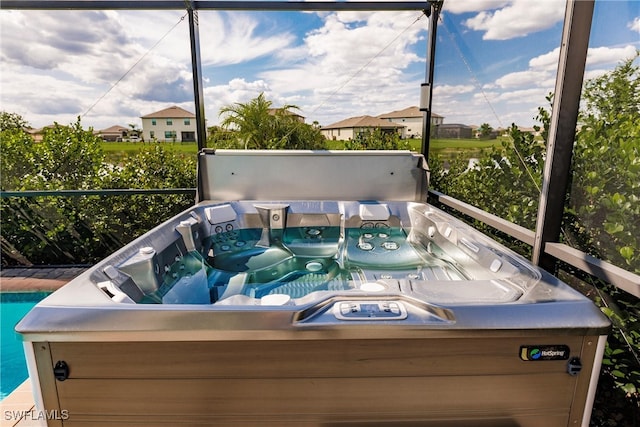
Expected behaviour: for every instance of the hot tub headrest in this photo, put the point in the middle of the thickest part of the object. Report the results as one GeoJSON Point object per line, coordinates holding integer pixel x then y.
{"type": "Point", "coordinates": [312, 175]}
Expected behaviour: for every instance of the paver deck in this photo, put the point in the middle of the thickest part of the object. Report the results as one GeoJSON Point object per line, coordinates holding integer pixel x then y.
{"type": "Point", "coordinates": [18, 409]}
{"type": "Point", "coordinates": [30, 279]}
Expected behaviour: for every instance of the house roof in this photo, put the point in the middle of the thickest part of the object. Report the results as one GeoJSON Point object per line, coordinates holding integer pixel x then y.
{"type": "Point", "coordinates": [173, 112]}
{"type": "Point", "coordinates": [363, 122]}
{"type": "Point", "coordinates": [406, 113]}
{"type": "Point", "coordinates": [274, 111]}
{"type": "Point", "coordinates": [114, 129]}
{"type": "Point", "coordinates": [453, 125]}
{"type": "Point", "coordinates": [39, 131]}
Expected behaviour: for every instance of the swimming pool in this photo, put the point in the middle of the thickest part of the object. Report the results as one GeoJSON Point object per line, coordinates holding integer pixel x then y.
{"type": "Point", "coordinates": [13, 307]}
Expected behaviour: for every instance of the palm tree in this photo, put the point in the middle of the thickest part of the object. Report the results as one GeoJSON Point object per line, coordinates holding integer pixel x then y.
{"type": "Point", "coordinates": [485, 130]}
{"type": "Point", "coordinates": [135, 131]}
{"type": "Point", "coordinates": [254, 122]}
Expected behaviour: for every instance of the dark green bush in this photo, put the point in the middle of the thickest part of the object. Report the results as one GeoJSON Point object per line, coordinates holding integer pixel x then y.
{"type": "Point", "coordinates": [602, 216]}
{"type": "Point", "coordinates": [80, 230]}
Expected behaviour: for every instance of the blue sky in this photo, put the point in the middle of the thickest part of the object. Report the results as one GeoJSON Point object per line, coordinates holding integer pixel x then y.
{"type": "Point", "coordinates": [496, 61]}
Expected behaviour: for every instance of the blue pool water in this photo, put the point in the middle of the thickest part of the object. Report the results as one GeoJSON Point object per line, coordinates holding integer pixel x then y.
{"type": "Point", "coordinates": [13, 366]}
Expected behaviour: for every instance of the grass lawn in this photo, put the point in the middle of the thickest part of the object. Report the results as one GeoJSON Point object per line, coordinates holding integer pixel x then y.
{"type": "Point", "coordinates": [122, 148]}
{"type": "Point", "coordinates": [116, 151]}
{"type": "Point", "coordinates": [450, 148]}
{"type": "Point", "coordinates": [447, 148]}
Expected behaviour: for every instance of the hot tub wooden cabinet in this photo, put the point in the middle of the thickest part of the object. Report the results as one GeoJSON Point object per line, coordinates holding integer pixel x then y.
{"type": "Point", "coordinates": [327, 293]}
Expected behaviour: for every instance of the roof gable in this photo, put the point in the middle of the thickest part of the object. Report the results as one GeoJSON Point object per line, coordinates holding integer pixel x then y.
{"type": "Point", "coordinates": [114, 129]}
{"type": "Point", "coordinates": [274, 111]}
{"type": "Point", "coordinates": [173, 112]}
{"type": "Point", "coordinates": [453, 125]}
{"type": "Point", "coordinates": [363, 122]}
{"type": "Point", "coordinates": [409, 112]}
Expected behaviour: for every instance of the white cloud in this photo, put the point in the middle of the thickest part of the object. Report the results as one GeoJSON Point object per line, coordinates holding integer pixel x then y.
{"type": "Point", "coordinates": [523, 78]}
{"type": "Point", "coordinates": [592, 74]}
{"type": "Point", "coordinates": [236, 37]}
{"type": "Point", "coordinates": [62, 101]}
{"type": "Point", "coordinates": [462, 6]}
{"type": "Point", "coordinates": [47, 41]}
{"type": "Point", "coordinates": [225, 37]}
{"type": "Point", "coordinates": [595, 56]}
{"type": "Point", "coordinates": [547, 61]}
{"type": "Point", "coordinates": [146, 55]}
{"type": "Point", "coordinates": [77, 56]}
{"type": "Point", "coordinates": [531, 86]}
{"type": "Point", "coordinates": [236, 90]}
{"type": "Point", "coordinates": [609, 55]}
{"type": "Point", "coordinates": [498, 108]}
{"type": "Point", "coordinates": [356, 61]}
{"type": "Point", "coordinates": [449, 90]}
{"type": "Point", "coordinates": [518, 19]}
{"type": "Point", "coordinates": [530, 95]}
{"type": "Point", "coordinates": [349, 40]}
{"type": "Point", "coordinates": [353, 58]}
{"type": "Point", "coordinates": [350, 63]}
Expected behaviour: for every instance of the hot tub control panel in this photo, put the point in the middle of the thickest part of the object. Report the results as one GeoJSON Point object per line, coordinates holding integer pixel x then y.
{"type": "Point", "coordinates": [370, 310]}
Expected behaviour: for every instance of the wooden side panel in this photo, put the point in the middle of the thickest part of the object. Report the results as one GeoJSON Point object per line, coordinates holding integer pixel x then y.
{"type": "Point", "coordinates": [587, 358]}
{"type": "Point", "coordinates": [317, 383]}
{"type": "Point", "coordinates": [320, 399]}
{"type": "Point", "coordinates": [317, 358]}
{"type": "Point", "coordinates": [531, 421]}
{"type": "Point", "coordinates": [42, 353]}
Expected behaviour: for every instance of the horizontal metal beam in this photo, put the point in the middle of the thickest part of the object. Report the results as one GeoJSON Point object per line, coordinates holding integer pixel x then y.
{"type": "Point", "coordinates": [617, 276]}
{"type": "Point", "coordinates": [104, 192]}
{"type": "Point", "coordinates": [214, 5]}
{"type": "Point", "coordinates": [521, 233]}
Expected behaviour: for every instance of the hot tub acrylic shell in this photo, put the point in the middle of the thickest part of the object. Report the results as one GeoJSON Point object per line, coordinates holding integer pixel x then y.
{"type": "Point", "coordinates": [371, 312]}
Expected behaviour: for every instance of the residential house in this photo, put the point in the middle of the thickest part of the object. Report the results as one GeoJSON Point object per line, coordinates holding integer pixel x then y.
{"type": "Point", "coordinates": [454, 131]}
{"type": "Point", "coordinates": [172, 124]}
{"type": "Point", "coordinates": [296, 116]}
{"type": "Point", "coordinates": [411, 118]}
{"type": "Point", "coordinates": [477, 132]}
{"type": "Point", "coordinates": [530, 130]}
{"type": "Point", "coordinates": [352, 127]}
{"type": "Point", "coordinates": [37, 133]}
{"type": "Point", "coordinates": [115, 133]}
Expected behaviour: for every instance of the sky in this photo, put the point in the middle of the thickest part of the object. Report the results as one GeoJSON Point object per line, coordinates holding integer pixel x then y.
{"type": "Point", "coordinates": [496, 61]}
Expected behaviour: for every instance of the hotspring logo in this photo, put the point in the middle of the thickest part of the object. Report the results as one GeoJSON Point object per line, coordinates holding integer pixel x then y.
{"type": "Point", "coordinates": [544, 352]}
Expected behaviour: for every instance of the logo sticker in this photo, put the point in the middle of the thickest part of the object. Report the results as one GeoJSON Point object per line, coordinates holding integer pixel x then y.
{"type": "Point", "coordinates": [533, 353]}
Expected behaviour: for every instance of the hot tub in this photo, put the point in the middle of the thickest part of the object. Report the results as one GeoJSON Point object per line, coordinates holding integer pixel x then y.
{"type": "Point", "coordinates": [315, 289]}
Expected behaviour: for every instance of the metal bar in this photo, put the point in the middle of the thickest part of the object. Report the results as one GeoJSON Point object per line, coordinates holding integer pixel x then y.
{"type": "Point", "coordinates": [564, 116]}
{"type": "Point", "coordinates": [104, 192]}
{"type": "Point", "coordinates": [617, 276]}
{"type": "Point", "coordinates": [198, 94]}
{"type": "Point", "coordinates": [196, 68]}
{"type": "Point", "coordinates": [601, 269]}
{"type": "Point", "coordinates": [213, 5]}
{"type": "Point", "coordinates": [434, 12]}
{"type": "Point", "coordinates": [514, 230]}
